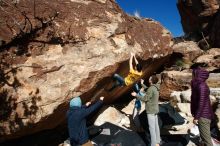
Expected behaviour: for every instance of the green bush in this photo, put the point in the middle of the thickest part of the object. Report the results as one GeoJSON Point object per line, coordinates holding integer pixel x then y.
{"type": "Point", "coordinates": [179, 63]}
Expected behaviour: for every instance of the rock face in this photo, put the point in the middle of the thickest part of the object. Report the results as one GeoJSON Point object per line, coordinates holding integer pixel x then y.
{"type": "Point", "coordinates": [189, 49]}
{"type": "Point", "coordinates": [174, 81]}
{"type": "Point", "coordinates": [53, 50]}
{"type": "Point", "coordinates": [191, 53]}
{"type": "Point", "coordinates": [112, 115]}
{"type": "Point", "coordinates": [201, 17]}
{"type": "Point", "coordinates": [211, 58]}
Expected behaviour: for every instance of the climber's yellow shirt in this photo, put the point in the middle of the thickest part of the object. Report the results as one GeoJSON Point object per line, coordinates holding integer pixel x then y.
{"type": "Point", "coordinates": [132, 77]}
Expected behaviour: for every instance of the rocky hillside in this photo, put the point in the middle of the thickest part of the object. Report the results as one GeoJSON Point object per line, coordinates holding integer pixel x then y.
{"type": "Point", "coordinates": [53, 50]}
{"type": "Point", "coordinates": [176, 81]}
{"type": "Point", "coordinates": [178, 78]}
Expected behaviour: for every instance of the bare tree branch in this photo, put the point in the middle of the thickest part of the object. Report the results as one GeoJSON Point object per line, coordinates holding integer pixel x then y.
{"type": "Point", "coordinates": [205, 40]}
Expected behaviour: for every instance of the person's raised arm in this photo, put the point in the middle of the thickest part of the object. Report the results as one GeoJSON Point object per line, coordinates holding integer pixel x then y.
{"type": "Point", "coordinates": [135, 59]}
{"type": "Point", "coordinates": [146, 97]}
{"type": "Point", "coordinates": [143, 85]}
{"type": "Point", "coordinates": [142, 98]}
{"type": "Point", "coordinates": [130, 62]}
{"type": "Point", "coordinates": [93, 107]}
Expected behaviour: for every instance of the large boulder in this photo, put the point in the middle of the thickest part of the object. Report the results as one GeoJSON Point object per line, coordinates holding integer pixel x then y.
{"type": "Point", "coordinates": [211, 58]}
{"type": "Point", "coordinates": [189, 49]}
{"type": "Point", "coordinates": [184, 108]}
{"type": "Point", "coordinates": [112, 115]}
{"type": "Point", "coordinates": [174, 81]}
{"type": "Point", "coordinates": [55, 50]}
{"type": "Point", "coordinates": [196, 14]}
{"type": "Point", "coordinates": [200, 19]}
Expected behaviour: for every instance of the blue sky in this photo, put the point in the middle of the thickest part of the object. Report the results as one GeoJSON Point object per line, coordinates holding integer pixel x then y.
{"type": "Point", "coordinates": [164, 11]}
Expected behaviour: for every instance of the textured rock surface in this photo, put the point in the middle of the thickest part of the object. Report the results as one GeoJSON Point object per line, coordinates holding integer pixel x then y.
{"type": "Point", "coordinates": [111, 115]}
{"type": "Point", "coordinates": [201, 16]}
{"type": "Point", "coordinates": [192, 12]}
{"type": "Point", "coordinates": [211, 57]}
{"type": "Point", "coordinates": [174, 81]}
{"type": "Point", "coordinates": [64, 49]}
{"type": "Point", "coordinates": [184, 107]}
{"type": "Point", "coordinates": [189, 49]}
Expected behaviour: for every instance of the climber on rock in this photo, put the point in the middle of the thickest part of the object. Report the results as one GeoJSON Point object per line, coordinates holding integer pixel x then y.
{"type": "Point", "coordinates": [134, 74]}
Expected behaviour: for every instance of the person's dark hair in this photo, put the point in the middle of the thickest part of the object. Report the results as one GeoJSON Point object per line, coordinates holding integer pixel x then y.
{"type": "Point", "coordinates": [154, 79]}
{"type": "Point", "coordinates": [139, 67]}
{"type": "Point", "coordinates": [196, 65]}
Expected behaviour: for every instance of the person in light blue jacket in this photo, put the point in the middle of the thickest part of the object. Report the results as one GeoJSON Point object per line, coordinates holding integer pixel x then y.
{"type": "Point", "coordinates": [137, 105]}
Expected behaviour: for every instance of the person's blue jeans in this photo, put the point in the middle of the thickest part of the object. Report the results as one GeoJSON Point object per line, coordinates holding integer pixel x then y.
{"type": "Point", "coordinates": [137, 107]}
{"type": "Point", "coordinates": [120, 81]}
{"type": "Point", "coordinates": [137, 89]}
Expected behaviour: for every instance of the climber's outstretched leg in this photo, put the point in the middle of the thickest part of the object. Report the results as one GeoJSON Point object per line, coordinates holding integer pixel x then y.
{"type": "Point", "coordinates": [119, 81]}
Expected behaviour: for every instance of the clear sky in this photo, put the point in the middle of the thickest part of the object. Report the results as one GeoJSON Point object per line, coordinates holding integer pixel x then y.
{"type": "Point", "coordinates": [164, 11]}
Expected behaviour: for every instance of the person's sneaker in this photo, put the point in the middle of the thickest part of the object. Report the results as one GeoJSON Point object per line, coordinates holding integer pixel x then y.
{"type": "Point", "coordinates": [162, 143]}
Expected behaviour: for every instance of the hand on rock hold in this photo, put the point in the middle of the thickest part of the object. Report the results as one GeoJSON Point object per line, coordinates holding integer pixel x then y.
{"type": "Point", "coordinates": [88, 103]}
{"type": "Point", "coordinates": [102, 98]}
{"type": "Point", "coordinates": [134, 94]}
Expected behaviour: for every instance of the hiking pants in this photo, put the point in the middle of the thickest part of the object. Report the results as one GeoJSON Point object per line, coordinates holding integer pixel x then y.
{"type": "Point", "coordinates": [120, 81]}
{"type": "Point", "coordinates": [137, 107]}
{"type": "Point", "coordinates": [204, 129]}
{"type": "Point", "coordinates": [154, 129]}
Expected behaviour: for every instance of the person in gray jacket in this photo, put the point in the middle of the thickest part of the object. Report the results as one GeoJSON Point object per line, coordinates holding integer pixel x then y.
{"type": "Point", "coordinates": [152, 108]}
